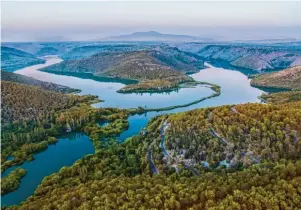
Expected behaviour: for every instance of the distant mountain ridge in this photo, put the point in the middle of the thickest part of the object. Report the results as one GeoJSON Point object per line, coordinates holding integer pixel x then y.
{"type": "Point", "coordinates": [153, 36]}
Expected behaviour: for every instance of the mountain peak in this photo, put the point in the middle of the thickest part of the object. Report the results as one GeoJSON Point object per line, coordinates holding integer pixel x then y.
{"type": "Point", "coordinates": [147, 33]}
{"type": "Point", "coordinates": [152, 36]}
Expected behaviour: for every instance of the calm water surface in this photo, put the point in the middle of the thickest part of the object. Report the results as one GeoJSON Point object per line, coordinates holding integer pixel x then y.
{"type": "Point", "coordinates": [65, 152]}
{"type": "Point", "coordinates": [107, 90]}
{"type": "Point", "coordinates": [235, 88]}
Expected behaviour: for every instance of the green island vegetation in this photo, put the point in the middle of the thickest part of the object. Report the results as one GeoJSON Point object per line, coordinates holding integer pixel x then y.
{"type": "Point", "coordinates": [215, 88]}
{"type": "Point", "coordinates": [161, 68]}
{"type": "Point", "coordinates": [18, 78]}
{"type": "Point", "coordinates": [288, 79]}
{"type": "Point", "coordinates": [178, 162]}
{"type": "Point", "coordinates": [12, 181]}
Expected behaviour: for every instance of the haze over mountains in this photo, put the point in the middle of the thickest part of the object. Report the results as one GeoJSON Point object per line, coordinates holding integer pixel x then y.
{"type": "Point", "coordinates": [155, 36]}
{"type": "Point", "coordinates": [13, 59]}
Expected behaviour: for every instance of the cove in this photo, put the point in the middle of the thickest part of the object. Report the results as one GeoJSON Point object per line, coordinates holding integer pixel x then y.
{"type": "Point", "coordinates": [65, 152]}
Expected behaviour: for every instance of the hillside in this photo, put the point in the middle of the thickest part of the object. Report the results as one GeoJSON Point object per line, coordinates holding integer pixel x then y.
{"type": "Point", "coordinates": [18, 78]}
{"type": "Point", "coordinates": [161, 63]}
{"type": "Point", "coordinates": [252, 57]}
{"type": "Point", "coordinates": [13, 59]}
{"type": "Point", "coordinates": [89, 50]}
{"type": "Point", "coordinates": [287, 79]}
{"type": "Point", "coordinates": [43, 48]}
{"type": "Point", "coordinates": [282, 97]}
{"type": "Point", "coordinates": [190, 160]}
{"type": "Point", "coordinates": [25, 102]}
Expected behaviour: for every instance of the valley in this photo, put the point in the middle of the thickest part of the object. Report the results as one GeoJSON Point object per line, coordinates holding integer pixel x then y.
{"type": "Point", "coordinates": [168, 105]}
{"type": "Point", "coordinates": [178, 119]}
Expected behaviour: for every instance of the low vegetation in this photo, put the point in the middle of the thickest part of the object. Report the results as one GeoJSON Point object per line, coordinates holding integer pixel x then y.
{"type": "Point", "coordinates": [250, 57]}
{"type": "Point", "coordinates": [282, 97]}
{"type": "Point", "coordinates": [155, 69]}
{"type": "Point", "coordinates": [289, 79]}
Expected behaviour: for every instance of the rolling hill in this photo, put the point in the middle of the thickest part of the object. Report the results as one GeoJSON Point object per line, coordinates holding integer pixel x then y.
{"type": "Point", "coordinates": [13, 59]}
{"type": "Point", "coordinates": [92, 49]}
{"type": "Point", "coordinates": [26, 102]}
{"type": "Point", "coordinates": [160, 63]}
{"type": "Point", "coordinates": [254, 57]}
{"type": "Point", "coordinates": [286, 79]}
{"type": "Point", "coordinates": [106, 62]}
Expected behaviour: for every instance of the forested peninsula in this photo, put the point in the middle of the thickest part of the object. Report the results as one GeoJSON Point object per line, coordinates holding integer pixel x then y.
{"type": "Point", "coordinates": [159, 69]}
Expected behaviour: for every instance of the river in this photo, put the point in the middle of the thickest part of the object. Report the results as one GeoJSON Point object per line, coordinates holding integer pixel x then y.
{"type": "Point", "coordinates": [235, 89]}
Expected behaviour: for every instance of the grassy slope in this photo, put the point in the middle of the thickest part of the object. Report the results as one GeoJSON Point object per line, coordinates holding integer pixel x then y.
{"type": "Point", "coordinates": [287, 79]}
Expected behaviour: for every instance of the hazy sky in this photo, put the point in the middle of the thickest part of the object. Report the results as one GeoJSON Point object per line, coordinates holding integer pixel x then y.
{"type": "Point", "coordinates": [40, 21]}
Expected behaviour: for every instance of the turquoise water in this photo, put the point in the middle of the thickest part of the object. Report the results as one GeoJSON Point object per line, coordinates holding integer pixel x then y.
{"type": "Point", "coordinates": [65, 152]}
{"type": "Point", "coordinates": [235, 88]}
{"type": "Point", "coordinates": [107, 90]}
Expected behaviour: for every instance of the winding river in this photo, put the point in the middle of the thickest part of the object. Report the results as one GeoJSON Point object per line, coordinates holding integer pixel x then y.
{"type": "Point", "coordinates": [235, 89]}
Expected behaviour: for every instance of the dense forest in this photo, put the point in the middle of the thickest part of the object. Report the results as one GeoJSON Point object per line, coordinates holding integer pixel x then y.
{"type": "Point", "coordinates": [273, 186]}
{"type": "Point", "coordinates": [12, 181]}
{"type": "Point", "coordinates": [260, 142]}
{"type": "Point", "coordinates": [244, 156]}
{"type": "Point", "coordinates": [33, 118]}
{"type": "Point", "coordinates": [23, 102]}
